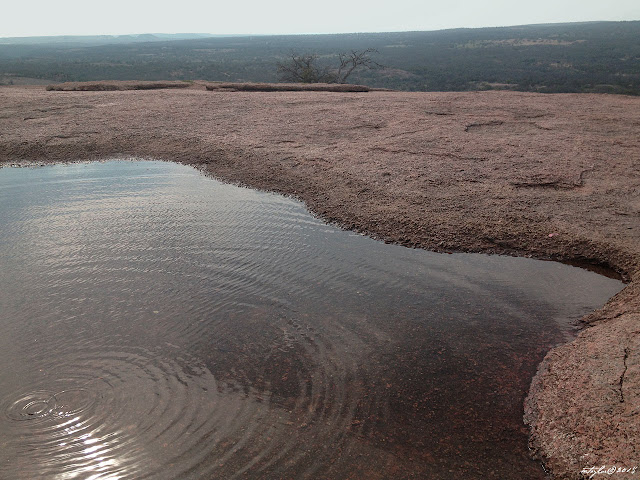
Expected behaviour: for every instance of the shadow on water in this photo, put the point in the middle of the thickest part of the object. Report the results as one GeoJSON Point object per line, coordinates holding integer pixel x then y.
{"type": "Point", "coordinates": [155, 323]}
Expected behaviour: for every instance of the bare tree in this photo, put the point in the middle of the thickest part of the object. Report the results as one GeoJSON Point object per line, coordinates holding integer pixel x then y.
{"type": "Point", "coordinates": [355, 59]}
{"type": "Point", "coordinates": [305, 69]}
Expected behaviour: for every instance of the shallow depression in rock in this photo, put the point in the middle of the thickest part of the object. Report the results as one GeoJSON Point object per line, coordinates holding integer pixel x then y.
{"type": "Point", "coordinates": [156, 323]}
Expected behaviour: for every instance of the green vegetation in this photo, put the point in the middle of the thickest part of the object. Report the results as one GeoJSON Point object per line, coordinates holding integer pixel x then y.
{"type": "Point", "coordinates": [578, 57]}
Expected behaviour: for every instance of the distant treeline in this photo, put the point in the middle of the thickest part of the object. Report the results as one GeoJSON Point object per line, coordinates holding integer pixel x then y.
{"type": "Point", "coordinates": [577, 57]}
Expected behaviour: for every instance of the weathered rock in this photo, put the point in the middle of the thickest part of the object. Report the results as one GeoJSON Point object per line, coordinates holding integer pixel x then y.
{"type": "Point", "coordinates": [549, 176]}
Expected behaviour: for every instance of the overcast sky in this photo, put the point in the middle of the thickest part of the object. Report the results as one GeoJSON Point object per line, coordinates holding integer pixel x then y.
{"type": "Point", "coordinates": [117, 17]}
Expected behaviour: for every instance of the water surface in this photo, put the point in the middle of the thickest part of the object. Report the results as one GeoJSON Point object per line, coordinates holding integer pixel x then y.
{"type": "Point", "coordinates": [155, 323]}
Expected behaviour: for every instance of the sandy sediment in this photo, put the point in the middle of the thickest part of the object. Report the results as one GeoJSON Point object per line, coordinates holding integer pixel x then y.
{"type": "Point", "coordinates": [548, 176]}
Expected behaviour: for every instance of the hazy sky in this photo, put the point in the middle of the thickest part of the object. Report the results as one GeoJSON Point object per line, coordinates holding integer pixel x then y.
{"type": "Point", "coordinates": [116, 17]}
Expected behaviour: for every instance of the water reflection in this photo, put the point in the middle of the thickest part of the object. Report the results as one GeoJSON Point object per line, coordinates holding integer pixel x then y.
{"type": "Point", "coordinates": [155, 323]}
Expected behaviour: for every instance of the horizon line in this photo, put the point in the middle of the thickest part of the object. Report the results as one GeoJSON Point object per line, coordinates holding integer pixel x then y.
{"type": "Point", "coordinates": [204, 34]}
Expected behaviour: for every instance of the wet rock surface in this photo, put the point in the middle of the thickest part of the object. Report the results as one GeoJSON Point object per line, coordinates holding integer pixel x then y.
{"type": "Point", "coordinates": [550, 176]}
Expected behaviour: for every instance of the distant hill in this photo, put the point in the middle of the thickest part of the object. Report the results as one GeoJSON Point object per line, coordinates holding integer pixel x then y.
{"type": "Point", "coordinates": [91, 40]}
{"type": "Point", "coordinates": [599, 57]}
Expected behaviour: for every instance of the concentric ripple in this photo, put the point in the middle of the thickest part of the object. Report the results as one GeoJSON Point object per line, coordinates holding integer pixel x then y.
{"type": "Point", "coordinates": [157, 324]}
{"type": "Point", "coordinates": [120, 412]}
{"type": "Point", "coordinates": [32, 406]}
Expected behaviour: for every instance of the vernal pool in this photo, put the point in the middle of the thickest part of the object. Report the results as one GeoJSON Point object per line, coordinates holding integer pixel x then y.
{"type": "Point", "coordinates": [156, 323]}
